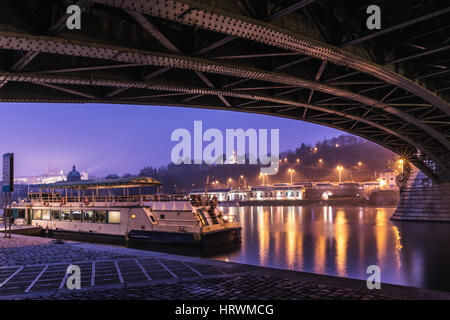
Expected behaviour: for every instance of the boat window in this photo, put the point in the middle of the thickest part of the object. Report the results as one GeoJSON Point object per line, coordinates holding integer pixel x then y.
{"type": "Point", "coordinates": [65, 215]}
{"type": "Point", "coordinates": [153, 219]}
{"type": "Point", "coordinates": [162, 216]}
{"type": "Point", "coordinates": [76, 215]}
{"type": "Point", "coordinates": [18, 213]}
{"type": "Point", "coordinates": [113, 216]}
{"type": "Point", "coordinates": [45, 215]}
{"type": "Point", "coordinates": [56, 215]}
{"type": "Point", "coordinates": [88, 216]}
{"type": "Point", "coordinates": [37, 214]}
{"type": "Point", "coordinates": [100, 216]}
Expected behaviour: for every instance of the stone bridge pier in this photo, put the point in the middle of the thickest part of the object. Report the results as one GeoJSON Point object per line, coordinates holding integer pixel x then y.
{"type": "Point", "coordinates": [421, 200]}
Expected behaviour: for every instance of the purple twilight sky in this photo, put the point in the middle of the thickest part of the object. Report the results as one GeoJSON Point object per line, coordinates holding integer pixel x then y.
{"type": "Point", "coordinates": [105, 139]}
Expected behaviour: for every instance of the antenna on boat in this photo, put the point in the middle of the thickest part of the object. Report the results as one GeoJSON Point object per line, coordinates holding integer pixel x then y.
{"type": "Point", "coordinates": [206, 189]}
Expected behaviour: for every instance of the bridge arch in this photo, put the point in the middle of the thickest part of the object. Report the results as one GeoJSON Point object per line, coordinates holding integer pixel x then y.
{"type": "Point", "coordinates": [418, 129]}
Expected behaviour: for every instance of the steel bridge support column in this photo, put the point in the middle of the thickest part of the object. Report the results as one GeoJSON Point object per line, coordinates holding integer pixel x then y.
{"type": "Point", "coordinates": [421, 201]}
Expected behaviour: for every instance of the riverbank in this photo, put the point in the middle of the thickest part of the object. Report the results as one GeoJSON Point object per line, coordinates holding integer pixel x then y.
{"type": "Point", "coordinates": [38, 272]}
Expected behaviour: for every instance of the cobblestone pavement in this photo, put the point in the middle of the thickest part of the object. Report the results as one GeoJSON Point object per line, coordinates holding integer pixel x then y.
{"type": "Point", "coordinates": [21, 241]}
{"type": "Point", "coordinates": [50, 253]}
{"type": "Point", "coordinates": [101, 273]}
{"type": "Point", "coordinates": [242, 287]}
{"type": "Point", "coordinates": [40, 272]}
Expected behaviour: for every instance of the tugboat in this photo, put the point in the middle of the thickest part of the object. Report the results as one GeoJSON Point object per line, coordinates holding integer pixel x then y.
{"type": "Point", "coordinates": [127, 209]}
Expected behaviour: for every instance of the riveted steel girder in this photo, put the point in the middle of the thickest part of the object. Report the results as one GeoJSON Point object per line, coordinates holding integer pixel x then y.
{"type": "Point", "coordinates": [200, 15]}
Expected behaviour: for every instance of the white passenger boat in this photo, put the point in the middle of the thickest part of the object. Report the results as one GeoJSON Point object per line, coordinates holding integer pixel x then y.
{"type": "Point", "coordinates": [126, 209]}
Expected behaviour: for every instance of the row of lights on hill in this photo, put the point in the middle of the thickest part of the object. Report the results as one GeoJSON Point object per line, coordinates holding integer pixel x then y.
{"type": "Point", "coordinates": [265, 178]}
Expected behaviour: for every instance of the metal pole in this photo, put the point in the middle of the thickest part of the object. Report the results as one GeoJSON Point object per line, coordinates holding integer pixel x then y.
{"type": "Point", "coordinates": [10, 213]}
{"type": "Point", "coordinates": [4, 212]}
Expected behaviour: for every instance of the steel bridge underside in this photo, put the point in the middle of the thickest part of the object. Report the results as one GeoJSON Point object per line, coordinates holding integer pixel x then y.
{"type": "Point", "coordinates": [311, 60]}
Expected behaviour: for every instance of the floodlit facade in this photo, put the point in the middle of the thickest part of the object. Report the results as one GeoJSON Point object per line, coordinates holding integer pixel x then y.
{"type": "Point", "coordinates": [277, 192]}
{"type": "Point", "coordinates": [387, 180]}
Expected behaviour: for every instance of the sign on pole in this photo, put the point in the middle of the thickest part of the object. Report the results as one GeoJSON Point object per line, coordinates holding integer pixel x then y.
{"type": "Point", "coordinates": [8, 172]}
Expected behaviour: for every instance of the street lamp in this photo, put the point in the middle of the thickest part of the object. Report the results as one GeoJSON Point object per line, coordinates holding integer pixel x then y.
{"type": "Point", "coordinates": [339, 169]}
{"type": "Point", "coordinates": [320, 161]}
{"type": "Point", "coordinates": [243, 180]}
{"type": "Point", "coordinates": [291, 171]}
{"type": "Point", "coordinates": [298, 160]}
{"type": "Point", "coordinates": [229, 182]}
{"type": "Point", "coordinates": [401, 161]}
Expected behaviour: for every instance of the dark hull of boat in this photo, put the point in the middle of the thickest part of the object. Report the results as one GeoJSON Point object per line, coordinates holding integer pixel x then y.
{"type": "Point", "coordinates": [186, 239]}
{"type": "Point", "coordinates": [86, 236]}
{"type": "Point", "coordinates": [155, 237]}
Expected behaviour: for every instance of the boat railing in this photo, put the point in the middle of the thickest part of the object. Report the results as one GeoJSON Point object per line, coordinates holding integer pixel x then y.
{"type": "Point", "coordinates": [50, 199]}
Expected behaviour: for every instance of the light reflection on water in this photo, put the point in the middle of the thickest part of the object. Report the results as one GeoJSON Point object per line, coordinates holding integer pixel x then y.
{"type": "Point", "coordinates": [344, 241]}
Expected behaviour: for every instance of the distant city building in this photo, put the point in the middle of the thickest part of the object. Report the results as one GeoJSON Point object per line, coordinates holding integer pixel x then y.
{"type": "Point", "coordinates": [51, 176]}
{"type": "Point", "coordinates": [233, 159]}
{"type": "Point", "coordinates": [280, 191]}
{"type": "Point", "coordinates": [370, 185]}
{"type": "Point", "coordinates": [73, 175]}
{"type": "Point", "coordinates": [387, 179]}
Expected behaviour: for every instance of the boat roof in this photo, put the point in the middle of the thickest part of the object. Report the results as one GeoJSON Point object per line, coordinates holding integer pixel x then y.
{"type": "Point", "coordinates": [105, 183]}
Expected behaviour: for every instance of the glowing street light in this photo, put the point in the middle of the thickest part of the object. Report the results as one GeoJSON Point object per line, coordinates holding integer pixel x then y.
{"type": "Point", "coordinates": [261, 176]}
{"type": "Point", "coordinates": [243, 180]}
{"type": "Point", "coordinates": [285, 159]}
{"type": "Point", "coordinates": [320, 161]}
{"type": "Point", "coordinates": [298, 160]}
{"type": "Point", "coordinates": [401, 161]}
{"type": "Point", "coordinates": [339, 169]}
{"type": "Point", "coordinates": [291, 171]}
{"type": "Point", "coordinates": [229, 182]}
{"type": "Point", "coordinates": [315, 149]}
{"type": "Point", "coordinates": [337, 145]}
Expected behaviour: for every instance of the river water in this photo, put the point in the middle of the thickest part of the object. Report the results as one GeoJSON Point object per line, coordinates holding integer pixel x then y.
{"type": "Point", "coordinates": [344, 241]}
